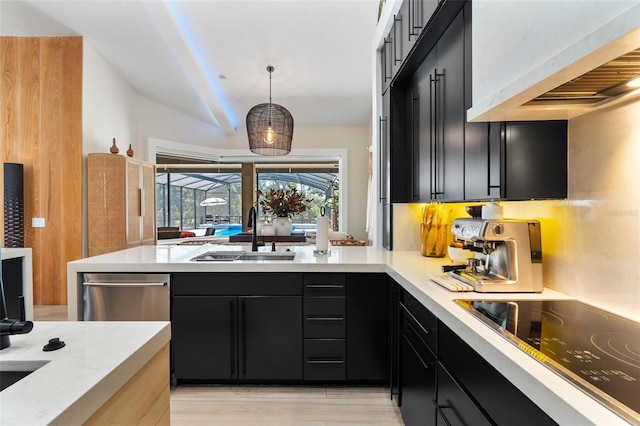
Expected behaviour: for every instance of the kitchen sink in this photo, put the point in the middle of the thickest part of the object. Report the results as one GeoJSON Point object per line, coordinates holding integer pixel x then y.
{"type": "Point", "coordinates": [267, 255]}
{"type": "Point", "coordinates": [218, 256]}
{"type": "Point", "coordinates": [12, 372]}
{"type": "Point", "coordinates": [230, 256]}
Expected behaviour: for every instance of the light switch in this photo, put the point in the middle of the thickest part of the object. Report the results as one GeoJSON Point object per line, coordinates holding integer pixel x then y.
{"type": "Point", "coordinates": [37, 222]}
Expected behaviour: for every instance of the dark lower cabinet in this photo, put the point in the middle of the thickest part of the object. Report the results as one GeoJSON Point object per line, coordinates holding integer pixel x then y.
{"type": "Point", "coordinates": [237, 327]}
{"type": "Point", "coordinates": [204, 337]}
{"type": "Point", "coordinates": [367, 327]}
{"type": "Point", "coordinates": [418, 380]}
{"type": "Point", "coordinates": [491, 392]}
{"type": "Point", "coordinates": [280, 327]}
{"type": "Point", "coordinates": [453, 405]}
{"type": "Point", "coordinates": [270, 330]}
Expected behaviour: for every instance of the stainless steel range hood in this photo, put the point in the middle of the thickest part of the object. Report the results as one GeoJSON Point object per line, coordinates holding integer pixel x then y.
{"type": "Point", "coordinates": [605, 82]}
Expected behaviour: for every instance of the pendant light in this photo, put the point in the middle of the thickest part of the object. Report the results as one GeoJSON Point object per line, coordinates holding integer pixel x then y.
{"type": "Point", "coordinates": [269, 127]}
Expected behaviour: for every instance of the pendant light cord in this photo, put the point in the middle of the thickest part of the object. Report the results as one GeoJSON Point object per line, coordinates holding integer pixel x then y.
{"type": "Point", "coordinates": [270, 69]}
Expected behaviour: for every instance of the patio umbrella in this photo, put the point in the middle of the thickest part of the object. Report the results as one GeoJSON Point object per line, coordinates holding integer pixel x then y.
{"type": "Point", "coordinates": [213, 202]}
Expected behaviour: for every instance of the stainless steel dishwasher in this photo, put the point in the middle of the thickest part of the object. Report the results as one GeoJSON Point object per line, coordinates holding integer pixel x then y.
{"type": "Point", "coordinates": [126, 297]}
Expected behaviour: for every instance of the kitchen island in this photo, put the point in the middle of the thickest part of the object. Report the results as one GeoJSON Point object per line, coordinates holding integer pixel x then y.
{"type": "Point", "coordinates": [563, 402]}
{"type": "Point", "coordinates": [107, 372]}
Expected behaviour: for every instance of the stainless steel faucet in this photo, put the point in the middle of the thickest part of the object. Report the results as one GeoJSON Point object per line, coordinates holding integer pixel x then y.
{"type": "Point", "coordinates": [253, 223]}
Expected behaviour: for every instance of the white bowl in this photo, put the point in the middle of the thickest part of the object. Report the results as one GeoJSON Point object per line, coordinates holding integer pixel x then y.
{"type": "Point", "coordinates": [458, 255]}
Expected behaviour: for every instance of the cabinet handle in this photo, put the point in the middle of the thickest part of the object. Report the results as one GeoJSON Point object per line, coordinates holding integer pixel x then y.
{"type": "Point", "coordinates": [140, 201]}
{"type": "Point", "coordinates": [309, 318]}
{"type": "Point", "coordinates": [383, 144]}
{"type": "Point", "coordinates": [396, 40]}
{"type": "Point", "coordinates": [416, 160]}
{"type": "Point", "coordinates": [414, 17]}
{"type": "Point", "coordinates": [387, 73]}
{"type": "Point", "coordinates": [325, 361]}
{"type": "Point", "coordinates": [438, 127]}
{"type": "Point", "coordinates": [439, 410]}
{"type": "Point", "coordinates": [325, 285]}
{"type": "Point", "coordinates": [232, 334]}
{"type": "Point", "coordinates": [244, 338]}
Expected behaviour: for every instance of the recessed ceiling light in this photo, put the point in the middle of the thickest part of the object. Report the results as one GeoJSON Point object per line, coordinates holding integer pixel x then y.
{"type": "Point", "coordinates": [634, 83]}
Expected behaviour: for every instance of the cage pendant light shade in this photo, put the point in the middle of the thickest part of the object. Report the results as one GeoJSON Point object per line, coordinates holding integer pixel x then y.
{"type": "Point", "coordinates": [269, 127]}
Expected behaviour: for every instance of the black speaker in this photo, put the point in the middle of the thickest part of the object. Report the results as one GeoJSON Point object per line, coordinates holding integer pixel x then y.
{"type": "Point", "coordinates": [13, 205]}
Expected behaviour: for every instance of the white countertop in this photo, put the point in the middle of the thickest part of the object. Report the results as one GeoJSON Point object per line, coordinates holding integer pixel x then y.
{"type": "Point", "coordinates": [562, 401]}
{"type": "Point", "coordinates": [98, 359]}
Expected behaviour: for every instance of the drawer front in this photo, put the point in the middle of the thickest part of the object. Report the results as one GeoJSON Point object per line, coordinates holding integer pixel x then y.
{"type": "Point", "coordinates": [325, 360]}
{"type": "Point", "coordinates": [323, 285]}
{"type": "Point", "coordinates": [454, 406]}
{"type": "Point", "coordinates": [236, 284]}
{"type": "Point", "coordinates": [425, 323]}
{"type": "Point", "coordinates": [324, 317]}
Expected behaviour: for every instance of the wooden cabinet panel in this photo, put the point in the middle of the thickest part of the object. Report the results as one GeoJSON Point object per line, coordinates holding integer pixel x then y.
{"type": "Point", "coordinates": [121, 203]}
{"type": "Point", "coordinates": [41, 116]}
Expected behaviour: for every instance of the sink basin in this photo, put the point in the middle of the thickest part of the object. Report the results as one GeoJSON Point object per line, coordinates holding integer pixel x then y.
{"type": "Point", "coordinates": [230, 256]}
{"type": "Point", "coordinates": [218, 256]}
{"type": "Point", "coordinates": [267, 255]}
{"type": "Point", "coordinates": [12, 372]}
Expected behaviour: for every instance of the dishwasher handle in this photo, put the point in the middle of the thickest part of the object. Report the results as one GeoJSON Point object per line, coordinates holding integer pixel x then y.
{"type": "Point", "coordinates": [116, 284]}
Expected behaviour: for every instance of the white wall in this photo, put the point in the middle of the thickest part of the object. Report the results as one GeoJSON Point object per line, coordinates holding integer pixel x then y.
{"type": "Point", "coordinates": [112, 109]}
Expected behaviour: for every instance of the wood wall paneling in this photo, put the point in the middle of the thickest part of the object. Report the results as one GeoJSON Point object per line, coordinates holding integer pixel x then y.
{"type": "Point", "coordinates": [41, 112]}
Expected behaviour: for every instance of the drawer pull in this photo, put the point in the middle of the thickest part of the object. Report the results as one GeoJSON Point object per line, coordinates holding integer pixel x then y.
{"type": "Point", "coordinates": [325, 361]}
{"type": "Point", "coordinates": [325, 318]}
{"type": "Point", "coordinates": [441, 413]}
{"type": "Point", "coordinates": [325, 286]}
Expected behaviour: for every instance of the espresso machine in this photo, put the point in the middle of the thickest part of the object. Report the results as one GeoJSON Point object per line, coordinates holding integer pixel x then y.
{"type": "Point", "coordinates": [507, 255]}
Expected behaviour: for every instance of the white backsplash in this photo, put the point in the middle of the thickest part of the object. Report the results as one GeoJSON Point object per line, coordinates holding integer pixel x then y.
{"type": "Point", "coordinates": [591, 241]}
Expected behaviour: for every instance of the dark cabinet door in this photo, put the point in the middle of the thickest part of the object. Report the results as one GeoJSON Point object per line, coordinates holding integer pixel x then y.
{"type": "Point", "coordinates": [367, 327]}
{"type": "Point", "coordinates": [437, 119]}
{"type": "Point", "coordinates": [423, 128]}
{"type": "Point", "coordinates": [536, 160]}
{"type": "Point", "coordinates": [270, 337]}
{"type": "Point", "coordinates": [450, 113]}
{"type": "Point", "coordinates": [204, 337]}
{"type": "Point", "coordinates": [418, 381]}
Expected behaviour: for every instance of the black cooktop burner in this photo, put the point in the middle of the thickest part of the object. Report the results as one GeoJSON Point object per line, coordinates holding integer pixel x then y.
{"type": "Point", "coordinates": [594, 349]}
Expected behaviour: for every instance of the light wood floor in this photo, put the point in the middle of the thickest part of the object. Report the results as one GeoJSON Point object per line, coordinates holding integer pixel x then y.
{"type": "Point", "coordinates": [270, 405]}
{"type": "Point", "coordinates": [295, 405]}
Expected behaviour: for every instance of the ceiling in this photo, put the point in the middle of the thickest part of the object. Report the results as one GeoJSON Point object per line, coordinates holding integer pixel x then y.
{"type": "Point", "coordinates": [208, 58]}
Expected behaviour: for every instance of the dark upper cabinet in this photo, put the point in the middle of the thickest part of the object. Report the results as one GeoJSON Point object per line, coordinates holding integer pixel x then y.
{"type": "Point", "coordinates": [511, 160]}
{"type": "Point", "coordinates": [433, 153]}
{"type": "Point", "coordinates": [535, 160]}
{"type": "Point", "coordinates": [436, 119]}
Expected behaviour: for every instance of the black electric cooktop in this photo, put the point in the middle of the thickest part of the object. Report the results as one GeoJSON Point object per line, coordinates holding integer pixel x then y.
{"type": "Point", "coordinates": [594, 349]}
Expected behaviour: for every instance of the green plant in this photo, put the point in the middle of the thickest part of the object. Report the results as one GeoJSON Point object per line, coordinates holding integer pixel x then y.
{"type": "Point", "coordinates": [283, 202]}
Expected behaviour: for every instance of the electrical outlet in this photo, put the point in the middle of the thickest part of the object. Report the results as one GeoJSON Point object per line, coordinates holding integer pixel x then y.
{"type": "Point", "coordinates": [37, 222]}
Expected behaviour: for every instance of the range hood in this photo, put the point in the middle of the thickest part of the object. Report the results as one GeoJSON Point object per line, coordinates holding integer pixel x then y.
{"type": "Point", "coordinates": [543, 77]}
{"type": "Point", "coordinates": [603, 83]}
